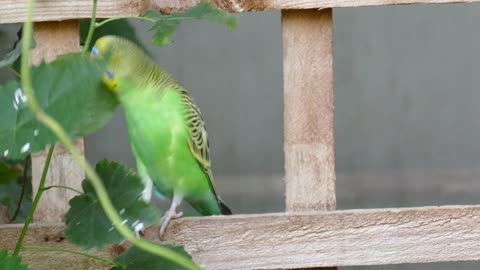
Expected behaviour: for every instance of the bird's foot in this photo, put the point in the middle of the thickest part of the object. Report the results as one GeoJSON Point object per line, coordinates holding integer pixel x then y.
{"type": "Point", "coordinates": [140, 233]}
{"type": "Point", "coordinates": [169, 215]}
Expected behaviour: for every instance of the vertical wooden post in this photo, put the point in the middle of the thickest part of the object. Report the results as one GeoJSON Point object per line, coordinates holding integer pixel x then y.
{"type": "Point", "coordinates": [308, 97]}
{"type": "Point", "coordinates": [53, 39]}
{"type": "Point", "coordinates": [309, 108]}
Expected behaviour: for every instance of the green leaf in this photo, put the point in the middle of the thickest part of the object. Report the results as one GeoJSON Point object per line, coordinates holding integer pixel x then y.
{"type": "Point", "coordinates": [165, 25]}
{"type": "Point", "coordinates": [87, 224]}
{"type": "Point", "coordinates": [10, 194]}
{"type": "Point", "coordinates": [207, 11]}
{"type": "Point", "coordinates": [10, 262]}
{"type": "Point", "coordinates": [137, 259]}
{"type": "Point", "coordinates": [8, 173]}
{"type": "Point", "coordinates": [14, 54]}
{"type": "Point", "coordinates": [164, 29]}
{"type": "Point", "coordinates": [11, 56]}
{"type": "Point", "coordinates": [120, 28]}
{"type": "Point", "coordinates": [70, 89]}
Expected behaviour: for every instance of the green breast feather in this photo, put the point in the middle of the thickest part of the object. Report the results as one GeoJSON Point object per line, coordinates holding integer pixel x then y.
{"type": "Point", "coordinates": [166, 129]}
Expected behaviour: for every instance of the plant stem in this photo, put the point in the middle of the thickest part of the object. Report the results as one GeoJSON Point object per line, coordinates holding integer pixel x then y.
{"type": "Point", "coordinates": [65, 187]}
{"type": "Point", "coordinates": [22, 191]}
{"type": "Point", "coordinates": [25, 61]}
{"type": "Point", "coordinates": [91, 28]}
{"type": "Point", "coordinates": [13, 71]}
{"type": "Point", "coordinates": [105, 201]}
{"type": "Point", "coordinates": [102, 194]}
{"type": "Point", "coordinates": [54, 249]}
{"type": "Point", "coordinates": [35, 202]}
{"type": "Point", "coordinates": [102, 23]}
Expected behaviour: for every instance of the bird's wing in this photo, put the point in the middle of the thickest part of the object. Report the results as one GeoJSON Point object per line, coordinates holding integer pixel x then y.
{"type": "Point", "coordinates": [198, 139]}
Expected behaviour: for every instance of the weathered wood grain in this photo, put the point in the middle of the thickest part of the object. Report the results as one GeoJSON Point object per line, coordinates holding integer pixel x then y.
{"type": "Point", "coordinates": [331, 238]}
{"type": "Point", "coordinates": [168, 6]}
{"type": "Point", "coordinates": [47, 10]}
{"type": "Point", "coordinates": [301, 240]}
{"type": "Point", "coordinates": [308, 109]}
{"type": "Point", "coordinates": [63, 171]}
{"type": "Point", "coordinates": [53, 39]}
{"type": "Point", "coordinates": [14, 11]}
{"type": "Point", "coordinates": [50, 235]}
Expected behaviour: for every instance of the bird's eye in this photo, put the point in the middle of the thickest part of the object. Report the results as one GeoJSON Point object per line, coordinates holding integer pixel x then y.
{"type": "Point", "coordinates": [95, 51]}
{"type": "Point", "coordinates": [109, 75]}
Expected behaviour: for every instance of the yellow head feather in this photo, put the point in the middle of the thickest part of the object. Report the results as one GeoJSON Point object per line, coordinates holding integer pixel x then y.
{"type": "Point", "coordinates": [100, 49]}
{"type": "Point", "coordinates": [128, 64]}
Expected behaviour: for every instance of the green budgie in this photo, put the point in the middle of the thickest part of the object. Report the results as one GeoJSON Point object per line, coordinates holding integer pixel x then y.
{"type": "Point", "coordinates": [165, 127]}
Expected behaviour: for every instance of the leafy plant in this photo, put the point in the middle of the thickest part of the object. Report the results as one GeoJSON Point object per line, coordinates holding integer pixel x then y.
{"type": "Point", "coordinates": [120, 27]}
{"type": "Point", "coordinates": [8, 173]}
{"type": "Point", "coordinates": [136, 259]}
{"type": "Point", "coordinates": [14, 54]}
{"type": "Point", "coordinates": [71, 83]}
{"type": "Point", "coordinates": [15, 185]}
{"type": "Point", "coordinates": [87, 224]}
{"type": "Point", "coordinates": [165, 25]}
{"type": "Point", "coordinates": [65, 99]}
{"type": "Point", "coordinates": [10, 262]}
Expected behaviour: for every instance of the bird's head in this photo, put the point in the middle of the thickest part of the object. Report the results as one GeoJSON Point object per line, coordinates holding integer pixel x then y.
{"type": "Point", "coordinates": [107, 47]}
{"type": "Point", "coordinates": [127, 64]}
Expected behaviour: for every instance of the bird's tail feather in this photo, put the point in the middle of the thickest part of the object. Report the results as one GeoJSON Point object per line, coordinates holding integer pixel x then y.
{"type": "Point", "coordinates": [223, 207]}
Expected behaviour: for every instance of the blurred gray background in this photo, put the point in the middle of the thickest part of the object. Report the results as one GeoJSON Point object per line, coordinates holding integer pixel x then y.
{"type": "Point", "coordinates": [407, 121]}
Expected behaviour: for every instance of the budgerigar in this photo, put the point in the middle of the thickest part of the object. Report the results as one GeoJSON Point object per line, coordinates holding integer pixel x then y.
{"type": "Point", "coordinates": [165, 127]}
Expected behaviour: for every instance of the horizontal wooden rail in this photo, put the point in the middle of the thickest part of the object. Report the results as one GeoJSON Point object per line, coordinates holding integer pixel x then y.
{"type": "Point", "coordinates": [302, 240]}
{"type": "Point", "coordinates": [13, 11]}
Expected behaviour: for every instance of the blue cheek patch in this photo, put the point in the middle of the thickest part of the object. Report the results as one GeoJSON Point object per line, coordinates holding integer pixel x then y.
{"type": "Point", "coordinates": [109, 75]}
{"type": "Point", "coordinates": [95, 51]}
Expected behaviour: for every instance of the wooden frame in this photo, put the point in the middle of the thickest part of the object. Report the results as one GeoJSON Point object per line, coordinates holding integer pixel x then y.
{"type": "Point", "coordinates": [306, 235]}
{"type": "Point", "coordinates": [296, 240]}
{"type": "Point", "coordinates": [15, 11]}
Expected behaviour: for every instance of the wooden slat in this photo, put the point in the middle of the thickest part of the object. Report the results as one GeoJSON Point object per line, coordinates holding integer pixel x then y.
{"type": "Point", "coordinates": [308, 116]}
{"type": "Point", "coordinates": [14, 11]}
{"type": "Point", "coordinates": [168, 6]}
{"type": "Point", "coordinates": [53, 39]}
{"type": "Point", "coordinates": [302, 240]}
{"type": "Point", "coordinates": [330, 238]}
{"type": "Point", "coordinates": [50, 235]}
{"type": "Point", "coordinates": [308, 113]}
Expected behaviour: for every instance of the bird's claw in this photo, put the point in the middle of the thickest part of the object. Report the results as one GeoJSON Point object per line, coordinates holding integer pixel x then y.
{"type": "Point", "coordinates": [178, 215]}
{"type": "Point", "coordinates": [140, 233]}
{"type": "Point", "coordinates": [169, 215]}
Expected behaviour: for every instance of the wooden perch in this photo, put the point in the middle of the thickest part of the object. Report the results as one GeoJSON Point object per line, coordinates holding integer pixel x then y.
{"type": "Point", "coordinates": [15, 11]}
{"type": "Point", "coordinates": [299, 240]}
{"type": "Point", "coordinates": [337, 238]}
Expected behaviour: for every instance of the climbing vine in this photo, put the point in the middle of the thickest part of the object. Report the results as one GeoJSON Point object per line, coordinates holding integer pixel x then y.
{"type": "Point", "coordinates": [59, 102]}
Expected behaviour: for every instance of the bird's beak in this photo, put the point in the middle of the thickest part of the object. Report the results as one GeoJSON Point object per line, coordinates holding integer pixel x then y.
{"type": "Point", "coordinates": [109, 81]}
